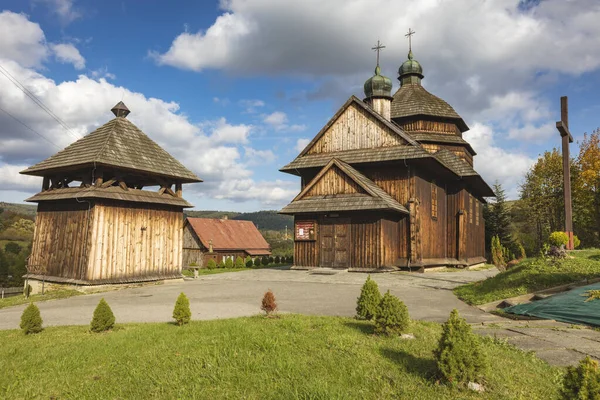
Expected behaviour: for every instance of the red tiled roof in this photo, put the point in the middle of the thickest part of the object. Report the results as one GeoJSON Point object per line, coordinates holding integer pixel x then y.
{"type": "Point", "coordinates": [227, 234]}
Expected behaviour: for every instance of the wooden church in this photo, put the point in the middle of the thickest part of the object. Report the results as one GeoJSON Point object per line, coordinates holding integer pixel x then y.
{"type": "Point", "coordinates": [389, 182]}
{"type": "Point", "coordinates": [110, 210]}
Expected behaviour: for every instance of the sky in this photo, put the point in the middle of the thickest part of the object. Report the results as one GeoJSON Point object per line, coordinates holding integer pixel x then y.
{"type": "Point", "coordinates": [234, 89]}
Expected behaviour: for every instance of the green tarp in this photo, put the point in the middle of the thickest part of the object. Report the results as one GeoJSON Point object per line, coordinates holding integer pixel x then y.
{"type": "Point", "coordinates": [568, 307]}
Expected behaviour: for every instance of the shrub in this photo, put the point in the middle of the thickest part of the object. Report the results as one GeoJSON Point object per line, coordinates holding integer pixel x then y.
{"type": "Point", "coordinates": [521, 251]}
{"type": "Point", "coordinates": [458, 356]}
{"type": "Point", "coordinates": [249, 263]}
{"type": "Point", "coordinates": [13, 247]}
{"type": "Point", "coordinates": [497, 253]}
{"type": "Point", "coordinates": [229, 263]}
{"type": "Point", "coordinates": [277, 260]}
{"type": "Point", "coordinates": [558, 239]}
{"type": "Point", "coordinates": [257, 262]}
{"type": "Point", "coordinates": [271, 260]}
{"type": "Point", "coordinates": [222, 264]}
{"type": "Point", "coordinates": [103, 319]}
{"type": "Point", "coordinates": [239, 262]}
{"type": "Point", "coordinates": [31, 320]}
{"type": "Point", "coordinates": [391, 316]}
{"type": "Point", "coordinates": [268, 304]}
{"type": "Point", "coordinates": [368, 301]}
{"type": "Point", "coordinates": [182, 313]}
{"type": "Point", "coordinates": [265, 261]}
{"type": "Point", "coordinates": [576, 242]}
{"type": "Point", "coordinates": [211, 264]}
{"type": "Point", "coordinates": [582, 382]}
{"type": "Point", "coordinates": [248, 258]}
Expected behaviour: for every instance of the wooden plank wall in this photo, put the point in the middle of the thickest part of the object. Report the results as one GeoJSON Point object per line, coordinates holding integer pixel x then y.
{"type": "Point", "coordinates": [454, 204]}
{"type": "Point", "coordinates": [366, 240]}
{"type": "Point", "coordinates": [433, 230]}
{"type": "Point", "coordinates": [355, 129]}
{"type": "Point", "coordinates": [140, 241]}
{"type": "Point", "coordinates": [334, 181]}
{"type": "Point", "coordinates": [395, 181]}
{"type": "Point", "coordinates": [306, 253]}
{"type": "Point", "coordinates": [59, 245]}
{"type": "Point", "coordinates": [419, 125]}
{"type": "Point", "coordinates": [390, 241]}
{"type": "Point", "coordinates": [190, 239]}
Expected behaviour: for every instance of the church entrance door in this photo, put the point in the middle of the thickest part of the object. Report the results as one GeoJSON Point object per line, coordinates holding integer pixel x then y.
{"type": "Point", "coordinates": [335, 243]}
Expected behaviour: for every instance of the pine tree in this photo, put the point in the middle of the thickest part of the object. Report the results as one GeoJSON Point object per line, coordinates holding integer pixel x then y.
{"type": "Point", "coordinates": [103, 319]}
{"type": "Point", "coordinates": [368, 301]}
{"type": "Point", "coordinates": [182, 313]}
{"type": "Point", "coordinates": [391, 316]}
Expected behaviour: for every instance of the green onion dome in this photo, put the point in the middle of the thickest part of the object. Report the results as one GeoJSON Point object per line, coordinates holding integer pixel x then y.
{"type": "Point", "coordinates": [378, 85]}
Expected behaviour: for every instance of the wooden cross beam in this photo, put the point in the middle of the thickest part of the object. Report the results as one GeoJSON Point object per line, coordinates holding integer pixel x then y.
{"type": "Point", "coordinates": [563, 129]}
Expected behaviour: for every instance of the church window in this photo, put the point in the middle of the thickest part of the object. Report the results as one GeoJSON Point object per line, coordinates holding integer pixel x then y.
{"type": "Point", "coordinates": [434, 200]}
{"type": "Point", "coordinates": [470, 209]}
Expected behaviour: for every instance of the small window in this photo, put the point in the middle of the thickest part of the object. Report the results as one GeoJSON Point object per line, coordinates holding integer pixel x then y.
{"type": "Point", "coordinates": [434, 200]}
{"type": "Point", "coordinates": [477, 212]}
{"type": "Point", "coordinates": [470, 209]}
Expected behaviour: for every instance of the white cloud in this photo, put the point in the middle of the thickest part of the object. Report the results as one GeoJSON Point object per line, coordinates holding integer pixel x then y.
{"type": "Point", "coordinates": [12, 180]}
{"type": "Point", "coordinates": [63, 9]}
{"type": "Point", "coordinates": [277, 120]}
{"type": "Point", "coordinates": [252, 105]}
{"type": "Point", "coordinates": [497, 164]}
{"type": "Point", "coordinates": [21, 40]}
{"type": "Point", "coordinates": [301, 144]}
{"type": "Point", "coordinates": [102, 73]}
{"type": "Point", "coordinates": [258, 157]}
{"type": "Point", "coordinates": [68, 54]}
{"type": "Point", "coordinates": [275, 193]}
{"type": "Point", "coordinates": [530, 132]}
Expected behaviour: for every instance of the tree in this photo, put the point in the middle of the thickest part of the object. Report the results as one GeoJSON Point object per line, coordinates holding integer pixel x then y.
{"type": "Point", "coordinates": [368, 301]}
{"type": "Point", "coordinates": [103, 319]}
{"type": "Point", "coordinates": [182, 313]}
{"type": "Point", "coordinates": [239, 262]}
{"type": "Point", "coordinates": [582, 382]}
{"type": "Point", "coordinates": [31, 320]}
{"type": "Point", "coordinates": [586, 190]}
{"type": "Point", "coordinates": [13, 247]}
{"type": "Point", "coordinates": [498, 219]}
{"type": "Point", "coordinates": [391, 316]}
{"type": "Point", "coordinates": [229, 263]}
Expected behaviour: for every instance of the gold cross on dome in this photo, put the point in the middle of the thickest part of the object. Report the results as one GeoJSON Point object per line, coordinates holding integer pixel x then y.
{"type": "Point", "coordinates": [377, 49]}
{"type": "Point", "coordinates": [409, 36]}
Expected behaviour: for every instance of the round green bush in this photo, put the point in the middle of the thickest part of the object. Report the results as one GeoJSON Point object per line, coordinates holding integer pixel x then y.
{"type": "Point", "coordinates": [459, 356]}
{"type": "Point", "coordinates": [229, 263]}
{"type": "Point", "coordinates": [103, 319]}
{"type": "Point", "coordinates": [368, 301]}
{"type": "Point", "coordinates": [257, 262]}
{"type": "Point", "coordinates": [391, 316]}
{"type": "Point", "coordinates": [222, 264]}
{"type": "Point", "coordinates": [582, 382]}
{"type": "Point", "coordinates": [31, 320]}
{"type": "Point", "coordinates": [576, 242]}
{"type": "Point", "coordinates": [182, 313]}
{"type": "Point", "coordinates": [239, 262]}
{"type": "Point", "coordinates": [277, 260]}
{"type": "Point", "coordinates": [558, 239]}
{"type": "Point", "coordinates": [211, 264]}
{"type": "Point", "coordinates": [265, 261]}
{"type": "Point", "coordinates": [249, 263]}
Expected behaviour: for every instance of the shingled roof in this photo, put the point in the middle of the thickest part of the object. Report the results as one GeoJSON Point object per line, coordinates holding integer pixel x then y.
{"type": "Point", "coordinates": [463, 169]}
{"type": "Point", "coordinates": [227, 234]}
{"type": "Point", "coordinates": [413, 100]}
{"type": "Point", "coordinates": [120, 144]}
{"type": "Point", "coordinates": [431, 137]}
{"type": "Point", "coordinates": [375, 198]}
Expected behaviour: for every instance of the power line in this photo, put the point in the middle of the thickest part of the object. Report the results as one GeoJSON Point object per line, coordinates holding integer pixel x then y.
{"type": "Point", "coordinates": [30, 128]}
{"type": "Point", "coordinates": [37, 101]}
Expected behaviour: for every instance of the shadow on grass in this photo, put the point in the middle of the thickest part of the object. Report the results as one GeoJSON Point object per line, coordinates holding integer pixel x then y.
{"type": "Point", "coordinates": [362, 326]}
{"type": "Point", "coordinates": [420, 367]}
{"type": "Point", "coordinates": [595, 257]}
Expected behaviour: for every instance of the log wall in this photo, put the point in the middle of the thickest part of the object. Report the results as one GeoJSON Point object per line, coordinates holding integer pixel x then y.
{"type": "Point", "coordinates": [355, 129]}
{"type": "Point", "coordinates": [334, 181]}
{"type": "Point", "coordinates": [419, 125]}
{"type": "Point", "coordinates": [432, 229]}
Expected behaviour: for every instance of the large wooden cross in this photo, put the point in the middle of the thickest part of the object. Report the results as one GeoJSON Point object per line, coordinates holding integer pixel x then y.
{"type": "Point", "coordinates": [563, 128]}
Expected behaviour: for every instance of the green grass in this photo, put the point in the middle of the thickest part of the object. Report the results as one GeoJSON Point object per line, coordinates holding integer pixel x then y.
{"type": "Point", "coordinates": [206, 271]}
{"type": "Point", "coordinates": [532, 275]}
{"type": "Point", "coordinates": [50, 295]}
{"type": "Point", "coordinates": [294, 357]}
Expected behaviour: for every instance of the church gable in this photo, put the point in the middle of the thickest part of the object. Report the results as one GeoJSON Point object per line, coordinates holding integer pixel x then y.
{"type": "Point", "coordinates": [333, 181]}
{"type": "Point", "coordinates": [355, 126]}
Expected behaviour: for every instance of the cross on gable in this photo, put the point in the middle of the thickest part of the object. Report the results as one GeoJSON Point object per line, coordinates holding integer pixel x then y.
{"type": "Point", "coordinates": [377, 49]}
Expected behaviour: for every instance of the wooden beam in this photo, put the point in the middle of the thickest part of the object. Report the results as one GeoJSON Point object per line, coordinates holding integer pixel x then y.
{"type": "Point", "coordinates": [46, 184]}
{"type": "Point", "coordinates": [171, 192]}
{"type": "Point", "coordinates": [162, 189]}
{"type": "Point", "coordinates": [108, 183]}
{"type": "Point", "coordinates": [123, 185]}
{"type": "Point", "coordinates": [178, 189]}
{"type": "Point", "coordinates": [563, 128]}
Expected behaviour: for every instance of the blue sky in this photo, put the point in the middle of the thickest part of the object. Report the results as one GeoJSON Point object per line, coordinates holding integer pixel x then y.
{"type": "Point", "coordinates": [235, 88]}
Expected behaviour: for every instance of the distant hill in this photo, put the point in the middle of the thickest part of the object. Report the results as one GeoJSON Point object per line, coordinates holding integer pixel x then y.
{"type": "Point", "coordinates": [24, 209]}
{"type": "Point", "coordinates": [265, 220]}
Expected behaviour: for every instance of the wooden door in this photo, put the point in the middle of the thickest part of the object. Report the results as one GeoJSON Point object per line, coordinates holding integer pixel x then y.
{"type": "Point", "coordinates": [335, 243]}
{"type": "Point", "coordinates": [342, 242]}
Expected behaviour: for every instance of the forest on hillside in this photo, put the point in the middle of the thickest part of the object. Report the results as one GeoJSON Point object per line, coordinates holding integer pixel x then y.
{"type": "Point", "coordinates": [16, 232]}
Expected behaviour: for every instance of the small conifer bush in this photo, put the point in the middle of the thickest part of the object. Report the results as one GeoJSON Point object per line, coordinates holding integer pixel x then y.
{"type": "Point", "coordinates": [229, 263]}
{"type": "Point", "coordinates": [182, 313]}
{"type": "Point", "coordinates": [268, 304]}
{"type": "Point", "coordinates": [277, 260]}
{"type": "Point", "coordinates": [368, 301]}
{"type": "Point", "coordinates": [582, 382]}
{"type": "Point", "coordinates": [222, 264]}
{"type": "Point", "coordinates": [31, 320]}
{"type": "Point", "coordinates": [211, 264]}
{"type": "Point", "coordinates": [249, 263]}
{"type": "Point", "coordinates": [239, 262]}
{"type": "Point", "coordinates": [257, 262]}
{"type": "Point", "coordinates": [459, 356]}
{"type": "Point", "coordinates": [265, 261]}
{"type": "Point", "coordinates": [103, 319]}
{"type": "Point", "coordinates": [391, 316]}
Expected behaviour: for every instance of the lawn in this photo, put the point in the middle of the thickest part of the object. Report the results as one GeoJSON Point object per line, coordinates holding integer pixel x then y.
{"type": "Point", "coordinates": [293, 357]}
{"type": "Point", "coordinates": [49, 295]}
{"type": "Point", "coordinates": [206, 271]}
{"type": "Point", "coordinates": [532, 275]}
